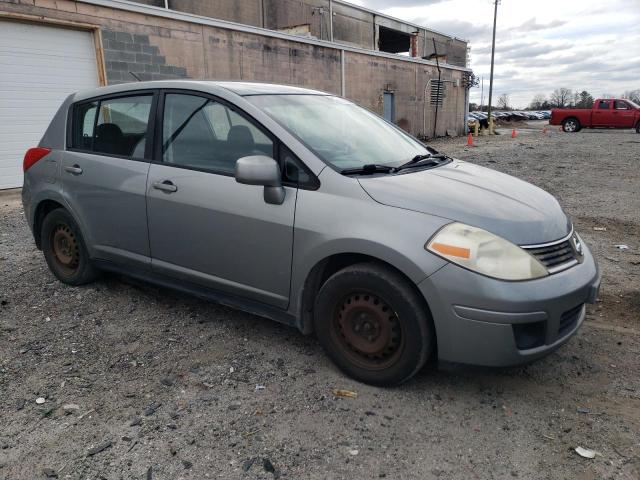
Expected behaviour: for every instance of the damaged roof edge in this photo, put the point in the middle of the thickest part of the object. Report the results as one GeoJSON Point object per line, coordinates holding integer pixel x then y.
{"type": "Point", "coordinates": [201, 20]}
{"type": "Point", "coordinates": [396, 19]}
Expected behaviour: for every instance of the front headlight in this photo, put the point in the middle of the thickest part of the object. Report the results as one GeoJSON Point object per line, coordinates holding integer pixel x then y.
{"type": "Point", "coordinates": [485, 253]}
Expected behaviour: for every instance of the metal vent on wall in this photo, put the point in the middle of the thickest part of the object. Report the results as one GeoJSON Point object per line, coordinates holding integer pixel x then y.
{"type": "Point", "coordinates": [437, 92]}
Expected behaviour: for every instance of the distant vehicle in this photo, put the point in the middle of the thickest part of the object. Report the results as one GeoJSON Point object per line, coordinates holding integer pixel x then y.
{"type": "Point", "coordinates": [606, 113]}
{"type": "Point", "coordinates": [306, 208]}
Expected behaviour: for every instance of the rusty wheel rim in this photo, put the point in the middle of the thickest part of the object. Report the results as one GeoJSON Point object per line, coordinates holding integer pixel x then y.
{"type": "Point", "coordinates": [368, 331]}
{"type": "Point", "coordinates": [66, 250]}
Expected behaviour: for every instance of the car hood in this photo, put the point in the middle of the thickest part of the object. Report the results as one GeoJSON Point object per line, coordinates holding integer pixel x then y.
{"type": "Point", "coordinates": [504, 205]}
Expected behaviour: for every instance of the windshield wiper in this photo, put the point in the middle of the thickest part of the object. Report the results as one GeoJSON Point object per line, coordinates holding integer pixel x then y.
{"type": "Point", "coordinates": [419, 161]}
{"type": "Point", "coordinates": [368, 169]}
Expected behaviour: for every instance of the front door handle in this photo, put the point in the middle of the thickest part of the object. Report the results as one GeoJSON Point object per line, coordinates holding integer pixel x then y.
{"type": "Point", "coordinates": [75, 170]}
{"type": "Point", "coordinates": [166, 186]}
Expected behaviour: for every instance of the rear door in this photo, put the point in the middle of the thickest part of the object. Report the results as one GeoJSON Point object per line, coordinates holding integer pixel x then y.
{"type": "Point", "coordinates": [602, 115]}
{"type": "Point", "coordinates": [623, 114]}
{"type": "Point", "coordinates": [205, 227]}
{"type": "Point", "coordinates": [104, 174]}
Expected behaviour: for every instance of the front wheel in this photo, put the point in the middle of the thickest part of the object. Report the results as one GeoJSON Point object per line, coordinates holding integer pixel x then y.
{"type": "Point", "coordinates": [571, 125]}
{"type": "Point", "coordinates": [373, 324]}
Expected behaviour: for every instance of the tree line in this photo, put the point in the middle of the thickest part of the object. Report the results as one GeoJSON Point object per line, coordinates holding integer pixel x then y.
{"type": "Point", "coordinates": [566, 98]}
{"type": "Point", "coordinates": [559, 98]}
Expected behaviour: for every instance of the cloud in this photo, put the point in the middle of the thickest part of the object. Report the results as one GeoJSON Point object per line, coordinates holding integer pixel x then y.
{"type": "Point", "coordinates": [540, 46]}
{"type": "Point", "coordinates": [532, 25]}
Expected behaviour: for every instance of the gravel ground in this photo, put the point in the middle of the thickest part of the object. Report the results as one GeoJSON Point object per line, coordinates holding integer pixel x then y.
{"type": "Point", "coordinates": [145, 383]}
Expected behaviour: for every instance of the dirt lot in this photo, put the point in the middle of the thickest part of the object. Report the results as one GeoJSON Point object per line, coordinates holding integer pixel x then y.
{"type": "Point", "coordinates": [145, 383]}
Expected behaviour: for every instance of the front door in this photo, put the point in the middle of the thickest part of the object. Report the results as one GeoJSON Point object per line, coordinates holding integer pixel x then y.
{"type": "Point", "coordinates": [623, 114]}
{"type": "Point", "coordinates": [603, 114]}
{"type": "Point", "coordinates": [104, 175]}
{"type": "Point", "coordinates": [205, 227]}
{"type": "Point", "coordinates": [389, 107]}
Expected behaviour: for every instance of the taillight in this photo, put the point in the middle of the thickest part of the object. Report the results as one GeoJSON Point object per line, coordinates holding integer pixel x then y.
{"type": "Point", "coordinates": [32, 156]}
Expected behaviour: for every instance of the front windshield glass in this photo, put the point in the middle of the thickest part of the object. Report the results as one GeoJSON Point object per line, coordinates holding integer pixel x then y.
{"type": "Point", "coordinates": [340, 132]}
{"type": "Point", "coordinates": [633, 104]}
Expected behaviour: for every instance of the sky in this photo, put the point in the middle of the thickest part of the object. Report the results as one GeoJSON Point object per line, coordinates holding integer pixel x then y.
{"type": "Point", "coordinates": [541, 45]}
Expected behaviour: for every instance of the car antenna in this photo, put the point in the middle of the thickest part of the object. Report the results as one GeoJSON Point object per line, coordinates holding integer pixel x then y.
{"type": "Point", "coordinates": [135, 76]}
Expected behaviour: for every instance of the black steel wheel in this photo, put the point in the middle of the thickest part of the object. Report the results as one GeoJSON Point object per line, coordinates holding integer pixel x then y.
{"type": "Point", "coordinates": [64, 249]}
{"type": "Point", "coordinates": [374, 324]}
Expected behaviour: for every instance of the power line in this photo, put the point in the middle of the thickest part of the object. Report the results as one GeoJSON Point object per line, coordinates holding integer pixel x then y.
{"type": "Point", "coordinates": [493, 51]}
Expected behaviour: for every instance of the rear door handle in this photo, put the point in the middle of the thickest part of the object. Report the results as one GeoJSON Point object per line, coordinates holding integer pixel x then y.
{"type": "Point", "coordinates": [166, 186]}
{"type": "Point", "coordinates": [75, 170]}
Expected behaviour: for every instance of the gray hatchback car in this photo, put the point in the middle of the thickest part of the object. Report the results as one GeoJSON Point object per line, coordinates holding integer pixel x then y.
{"type": "Point", "coordinates": [300, 206]}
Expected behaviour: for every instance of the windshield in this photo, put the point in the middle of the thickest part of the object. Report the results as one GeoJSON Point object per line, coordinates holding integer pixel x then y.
{"type": "Point", "coordinates": [633, 104]}
{"type": "Point", "coordinates": [339, 132]}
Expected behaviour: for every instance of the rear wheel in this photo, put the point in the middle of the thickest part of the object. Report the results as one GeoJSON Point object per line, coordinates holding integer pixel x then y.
{"type": "Point", "coordinates": [571, 125]}
{"type": "Point", "coordinates": [373, 324]}
{"type": "Point", "coordinates": [638, 128]}
{"type": "Point", "coordinates": [64, 249]}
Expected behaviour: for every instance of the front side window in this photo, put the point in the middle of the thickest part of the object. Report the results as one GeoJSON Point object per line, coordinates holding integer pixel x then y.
{"type": "Point", "coordinates": [340, 132]}
{"type": "Point", "coordinates": [618, 105]}
{"type": "Point", "coordinates": [119, 129]}
{"type": "Point", "coordinates": [201, 133]}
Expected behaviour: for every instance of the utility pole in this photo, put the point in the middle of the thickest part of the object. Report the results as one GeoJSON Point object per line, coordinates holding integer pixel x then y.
{"type": "Point", "coordinates": [481, 92]}
{"type": "Point", "coordinates": [493, 51]}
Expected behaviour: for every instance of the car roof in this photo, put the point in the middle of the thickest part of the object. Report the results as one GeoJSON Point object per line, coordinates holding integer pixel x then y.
{"type": "Point", "coordinates": [238, 88]}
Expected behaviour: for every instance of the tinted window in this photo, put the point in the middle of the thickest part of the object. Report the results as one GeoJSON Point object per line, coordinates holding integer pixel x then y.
{"type": "Point", "coordinates": [84, 118]}
{"type": "Point", "coordinates": [295, 171]}
{"type": "Point", "coordinates": [122, 126]}
{"type": "Point", "coordinates": [201, 133]}
{"type": "Point", "coordinates": [618, 105]}
{"type": "Point", "coordinates": [603, 105]}
{"type": "Point", "coordinates": [120, 129]}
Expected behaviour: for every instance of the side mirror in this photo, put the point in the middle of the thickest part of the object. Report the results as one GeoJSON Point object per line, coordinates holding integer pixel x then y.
{"type": "Point", "coordinates": [264, 171]}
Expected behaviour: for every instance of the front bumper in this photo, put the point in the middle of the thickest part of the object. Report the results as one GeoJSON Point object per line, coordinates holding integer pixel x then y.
{"type": "Point", "coordinates": [488, 322]}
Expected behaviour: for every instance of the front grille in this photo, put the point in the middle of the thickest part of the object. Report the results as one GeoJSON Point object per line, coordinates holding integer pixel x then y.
{"type": "Point", "coordinates": [556, 257]}
{"type": "Point", "coordinates": [568, 320]}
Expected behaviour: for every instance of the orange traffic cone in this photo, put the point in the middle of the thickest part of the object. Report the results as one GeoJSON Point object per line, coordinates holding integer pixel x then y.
{"type": "Point", "coordinates": [513, 133]}
{"type": "Point", "coordinates": [470, 140]}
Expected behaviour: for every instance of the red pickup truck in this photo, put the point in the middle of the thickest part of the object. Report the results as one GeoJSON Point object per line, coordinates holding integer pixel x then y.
{"type": "Point", "coordinates": [606, 113]}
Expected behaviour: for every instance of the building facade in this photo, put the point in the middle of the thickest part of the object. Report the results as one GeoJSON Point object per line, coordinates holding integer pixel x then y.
{"type": "Point", "coordinates": [50, 48]}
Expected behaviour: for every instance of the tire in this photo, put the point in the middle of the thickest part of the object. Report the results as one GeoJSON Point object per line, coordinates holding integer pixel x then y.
{"type": "Point", "coordinates": [64, 249]}
{"type": "Point", "coordinates": [638, 128]}
{"type": "Point", "coordinates": [571, 125]}
{"type": "Point", "coordinates": [373, 324]}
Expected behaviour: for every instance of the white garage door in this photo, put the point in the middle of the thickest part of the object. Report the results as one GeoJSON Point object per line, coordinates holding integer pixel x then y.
{"type": "Point", "coordinates": [39, 66]}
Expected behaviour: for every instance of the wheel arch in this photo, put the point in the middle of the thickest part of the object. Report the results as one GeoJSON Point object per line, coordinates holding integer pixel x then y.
{"type": "Point", "coordinates": [43, 208]}
{"type": "Point", "coordinates": [325, 268]}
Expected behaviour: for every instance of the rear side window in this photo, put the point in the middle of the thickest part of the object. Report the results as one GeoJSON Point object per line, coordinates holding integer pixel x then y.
{"type": "Point", "coordinates": [84, 120]}
{"type": "Point", "coordinates": [116, 126]}
{"type": "Point", "coordinates": [603, 105]}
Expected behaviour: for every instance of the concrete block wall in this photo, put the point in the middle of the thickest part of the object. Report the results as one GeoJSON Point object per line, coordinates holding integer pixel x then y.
{"type": "Point", "coordinates": [128, 56]}
{"type": "Point", "coordinates": [248, 12]}
{"type": "Point", "coordinates": [162, 48]}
